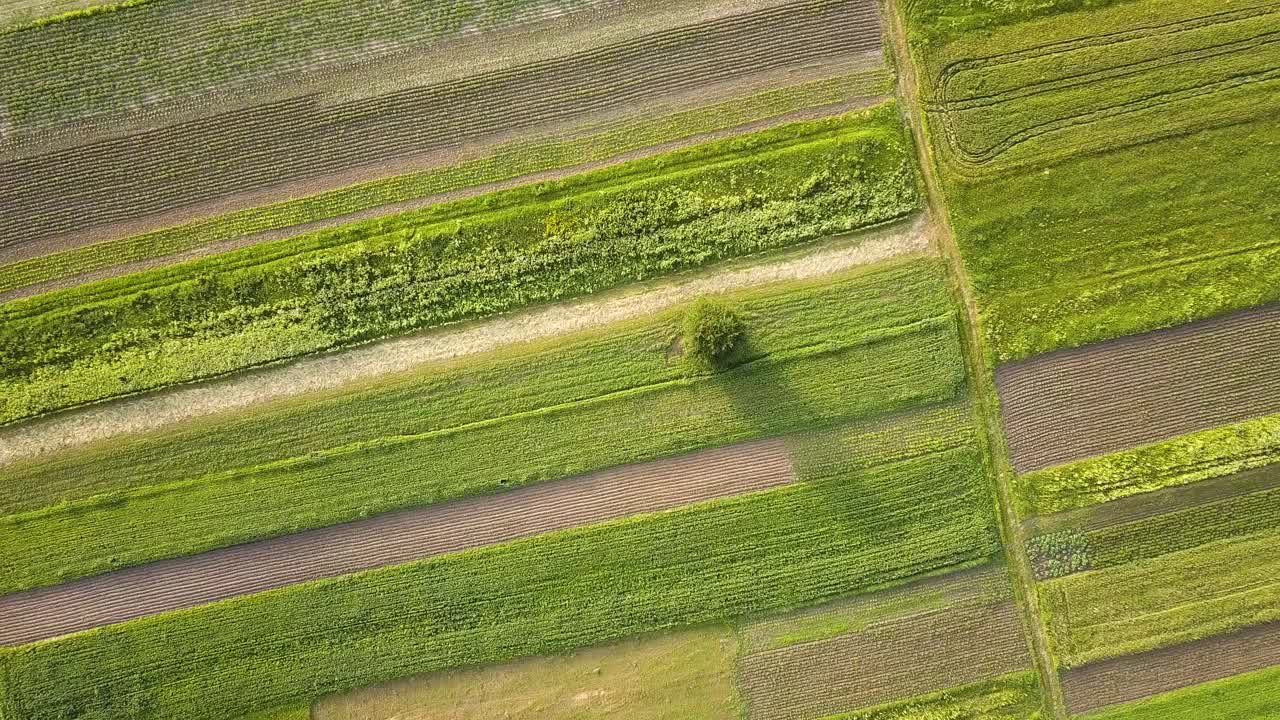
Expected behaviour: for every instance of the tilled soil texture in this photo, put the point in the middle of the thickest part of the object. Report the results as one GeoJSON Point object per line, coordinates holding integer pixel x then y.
{"type": "Point", "coordinates": [298, 138]}
{"type": "Point", "coordinates": [1098, 399]}
{"type": "Point", "coordinates": [1134, 677]}
{"type": "Point", "coordinates": [898, 659]}
{"type": "Point", "coordinates": [392, 539]}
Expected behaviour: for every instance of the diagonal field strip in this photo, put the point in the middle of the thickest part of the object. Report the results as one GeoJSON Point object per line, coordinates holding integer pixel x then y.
{"type": "Point", "coordinates": [392, 539]}
{"type": "Point", "coordinates": [1133, 677]}
{"type": "Point", "coordinates": [1098, 399]}
{"type": "Point", "coordinates": [330, 370]}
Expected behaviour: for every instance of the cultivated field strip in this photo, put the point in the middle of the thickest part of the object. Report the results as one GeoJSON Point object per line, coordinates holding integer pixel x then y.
{"type": "Point", "coordinates": [897, 659]}
{"type": "Point", "coordinates": [1101, 79]}
{"type": "Point", "coordinates": [392, 539]}
{"type": "Point", "coordinates": [299, 138]}
{"type": "Point", "coordinates": [1076, 403]}
{"type": "Point", "coordinates": [1134, 677]}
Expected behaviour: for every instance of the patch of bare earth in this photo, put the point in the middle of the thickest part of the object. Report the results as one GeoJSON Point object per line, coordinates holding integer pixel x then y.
{"type": "Point", "coordinates": [898, 659]}
{"type": "Point", "coordinates": [1134, 677]}
{"type": "Point", "coordinates": [393, 538]}
{"type": "Point", "coordinates": [1098, 399]}
{"type": "Point", "coordinates": [155, 410]}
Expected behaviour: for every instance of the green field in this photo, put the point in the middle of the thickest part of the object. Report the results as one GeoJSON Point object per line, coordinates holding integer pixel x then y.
{"type": "Point", "coordinates": [607, 399]}
{"type": "Point", "coordinates": [1251, 696]}
{"type": "Point", "coordinates": [458, 260]}
{"type": "Point", "coordinates": [1179, 461]}
{"type": "Point", "coordinates": [589, 143]}
{"type": "Point", "coordinates": [1168, 599]}
{"type": "Point", "coordinates": [1108, 186]}
{"type": "Point", "coordinates": [798, 545]}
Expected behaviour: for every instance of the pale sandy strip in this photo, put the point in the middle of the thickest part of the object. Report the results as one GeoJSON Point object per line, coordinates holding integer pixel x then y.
{"type": "Point", "coordinates": [320, 372]}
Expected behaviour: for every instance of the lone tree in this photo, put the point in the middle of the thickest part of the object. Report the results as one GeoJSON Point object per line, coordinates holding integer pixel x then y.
{"type": "Point", "coordinates": [712, 330]}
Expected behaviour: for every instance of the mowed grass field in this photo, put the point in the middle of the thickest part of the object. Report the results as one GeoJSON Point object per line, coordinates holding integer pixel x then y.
{"type": "Point", "coordinates": [1107, 172]}
{"type": "Point", "coordinates": [458, 260]}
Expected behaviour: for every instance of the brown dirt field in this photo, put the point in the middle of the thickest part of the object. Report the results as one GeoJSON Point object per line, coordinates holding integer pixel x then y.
{"type": "Point", "coordinates": [920, 654]}
{"type": "Point", "coordinates": [1153, 504]}
{"type": "Point", "coordinates": [243, 150]}
{"type": "Point", "coordinates": [392, 538]}
{"type": "Point", "coordinates": [1134, 677]}
{"type": "Point", "coordinates": [1072, 404]}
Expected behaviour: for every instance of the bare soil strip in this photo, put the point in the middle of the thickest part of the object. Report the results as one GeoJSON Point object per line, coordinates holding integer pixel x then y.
{"type": "Point", "coordinates": [1153, 504]}
{"type": "Point", "coordinates": [171, 167]}
{"type": "Point", "coordinates": [921, 654]}
{"type": "Point", "coordinates": [101, 233]}
{"type": "Point", "coordinates": [319, 372]}
{"type": "Point", "coordinates": [392, 539]}
{"type": "Point", "coordinates": [1134, 677]}
{"type": "Point", "coordinates": [1098, 399]}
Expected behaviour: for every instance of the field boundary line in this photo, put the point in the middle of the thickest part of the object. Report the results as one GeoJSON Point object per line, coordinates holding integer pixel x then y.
{"type": "Point", "coordinates": [981, 378]}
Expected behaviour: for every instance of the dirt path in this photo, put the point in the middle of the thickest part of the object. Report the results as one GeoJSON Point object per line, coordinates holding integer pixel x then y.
{"type": "Point", "coordinates": [391, 539]}
{"type": "Point", "coordinates": [1111, 396]}
{"type": "Point", "coordinates": [1134, 677]}
{"type": "Point", "coordinates": [157, 410]}
{"type": "Point", "coordinates": [981, 383]}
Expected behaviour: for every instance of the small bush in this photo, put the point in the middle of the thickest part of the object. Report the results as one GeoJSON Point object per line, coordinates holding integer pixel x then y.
{"type": "Point", "coordinates": [712, 330]}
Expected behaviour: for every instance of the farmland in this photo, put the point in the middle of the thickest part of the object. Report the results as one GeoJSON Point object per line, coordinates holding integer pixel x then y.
{"type": "Point", "coordinates": [253, 306]}
{"type": "Point", "coordinates": [552, 359]}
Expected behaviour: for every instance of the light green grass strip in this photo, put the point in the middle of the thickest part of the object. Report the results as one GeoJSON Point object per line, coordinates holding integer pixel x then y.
{"type": "Point", "coordinates": [1180, 461]}
{"type": "Point", "coordinates": [1167, 600]}
{"type": "Point", "coordinates": [1252, 696]}
{"type": "Point", "coordinates": [1009, 697]}
{"type": "Point", "coordinates": [799, 545]}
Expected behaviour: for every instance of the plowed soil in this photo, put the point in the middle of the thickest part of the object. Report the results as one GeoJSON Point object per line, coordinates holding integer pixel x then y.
{"type": "Point", "coordinates": [1134, 677]}
{"type": "Point", "coordinates": [1119, 394]}
{"type": "Point", "coordinates": [893, 660]}
{"type": "Point", "coordinates": [391, 539]}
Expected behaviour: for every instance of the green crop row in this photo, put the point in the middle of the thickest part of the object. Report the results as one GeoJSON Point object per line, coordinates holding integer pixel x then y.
{"type": "Point", "coordinates": [790, 547]}
{"type": "Point", "coordinates": [1148, 213]}
{"type": "Point", "coordinates": [1170, 599]}
{"type": "Point", "coordinates": [934, 23]}
{"type": "Point", "coordinates": [1009, 697]}
{"type": "Point", "coordinates": [1180, 461]}
{"type": "Point", "coordinates": [588, 144]}
{"type": "Point", "coordinates": [448, 262]}
{"type": "Point", "coordinates": [821, 355]}
{"type": "Point", "coordinates": [94, 62]}
{"type": "Point", "coordinates": [1251, 696]}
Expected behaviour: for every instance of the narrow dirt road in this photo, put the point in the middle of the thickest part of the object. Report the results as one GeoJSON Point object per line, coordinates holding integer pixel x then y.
{"type": "Point", "coordinates": [981, 377]}
{"type": "Point", "coordinates": [157, 410]}
{"type": "Point", "coordinates": [393, 538]}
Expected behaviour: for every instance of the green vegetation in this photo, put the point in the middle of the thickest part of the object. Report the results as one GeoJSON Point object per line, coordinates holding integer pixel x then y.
{"type": "Point", "coordinates": [1137, 200]}
{"type": "Point", "coordinates": [1010, 697]}
{"type": "Point", "coordinates": [301, 711]}
{"type": "Point", "coordinates": [671, 676]}
{"type": "Point", "coordinates": [1251, 696]}
{"type": "Point", "coordinates": [798, 545]}
{"type": "Point", "coordinates": [118, 56]}
{"type": "Point", "coordinates": [934, 23]}
{"type": "Point", "coordinates": [589, 143]}
{"type": "Point", "coordinates": [452, 261]}
{"type": "Point", "coordinates": [818, 355]}
{"type": "Point", "coordinates": [712, 329]}
{"type": "Point", "coordinates": [1180, 461]}
{"type": "Point", "coordinates": [1169, 599]}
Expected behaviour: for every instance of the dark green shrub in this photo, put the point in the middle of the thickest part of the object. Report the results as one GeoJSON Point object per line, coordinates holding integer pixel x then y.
{"type": "Point", "coordinates": [712, 330]}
